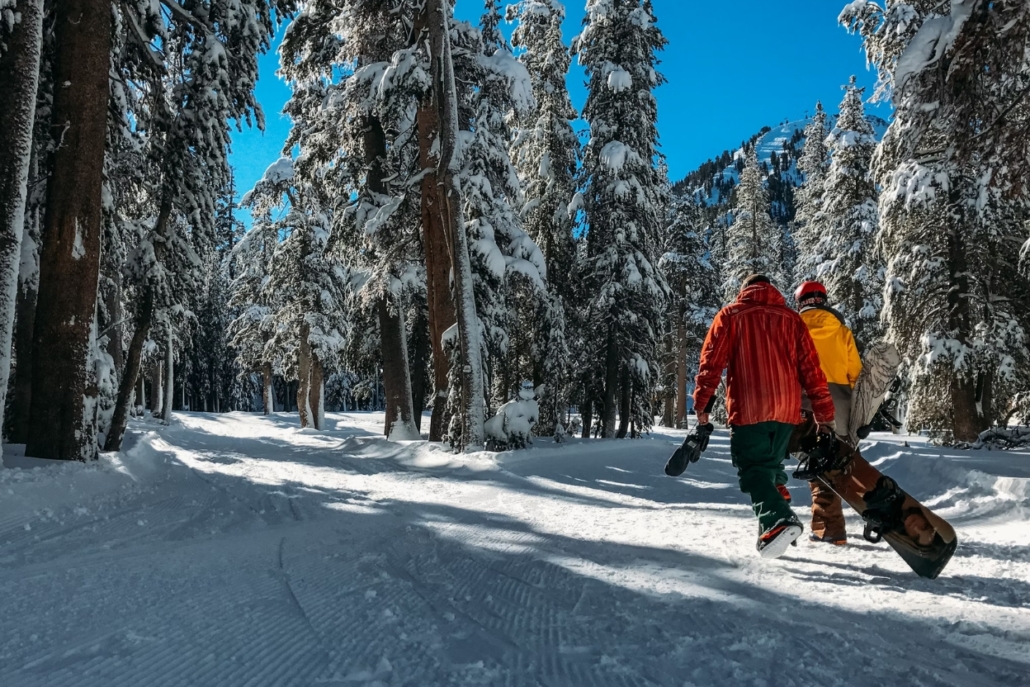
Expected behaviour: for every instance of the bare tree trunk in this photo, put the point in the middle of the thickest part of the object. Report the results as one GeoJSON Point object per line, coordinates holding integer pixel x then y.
{"type": "Point", "coordinates": [611, 383]}
{"type": "Point", "coordinates": [400, 421]}
{"type": "Point", "coordinates": [445, 91]}
{"type": "Point", "coordinates": [266, 389]}
{"type": "Point", "coordinates": [434, 239]}
{"type": "Point", "coordinates": [141, 397]}
{"type": "Point", "coordinates": [19, 82]}
{"type": "Point", "coordinates": [157, 392]}
{"type": "Point", "coordinates": [304, 376]}
{"type": "Point", "coordinates": [316, 392]}
{"type": "Point", "coordinates": [19, 421]}
{"type": "Point", "coordinates": [134, 357]}
{"type": "Point", "coordinates": [393, 335]}
{"type": "Point", "coordinates": [587, 415]}
{"type": "Point", "coordinates": [120, 420]}
{"type": "Point", "coordinates": [626, 387]}
{"type": "Point", "coordinates": [681, 374]}
{"type": "Point", "coordinates": [166, 414]}
{"type": "Point", "coordinates": [60, 425]}
{"type": "Point", "coordinates": [420, 351]}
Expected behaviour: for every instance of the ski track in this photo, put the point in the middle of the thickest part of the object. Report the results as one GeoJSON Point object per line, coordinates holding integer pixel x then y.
{"type": "Point", "coordinates": [238, 550]}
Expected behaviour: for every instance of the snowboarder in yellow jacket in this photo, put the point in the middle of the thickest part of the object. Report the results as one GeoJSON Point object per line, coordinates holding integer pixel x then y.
{"type": "Point", "coordinates": [840, 362]}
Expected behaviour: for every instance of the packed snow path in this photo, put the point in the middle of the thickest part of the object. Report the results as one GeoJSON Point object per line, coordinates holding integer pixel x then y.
{"type": "Point", "coordinates": [238, 550]}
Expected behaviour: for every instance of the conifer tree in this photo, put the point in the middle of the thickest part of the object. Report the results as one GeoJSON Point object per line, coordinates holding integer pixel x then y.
{"type": "Point", "coordinates": [850, 221]}
{"type": "Point", "coordinates": [807, 228]}
{"type": "Point", "coordinates": [694, 285]}
{"type": "Point", "coordinates": [625, 203]}
{"type": "Point", "coordinates": [546, 152]}
{"type": "Point", "coordinates": [753, 240]}
{"type": "Point", "coordinates": [952, 168]}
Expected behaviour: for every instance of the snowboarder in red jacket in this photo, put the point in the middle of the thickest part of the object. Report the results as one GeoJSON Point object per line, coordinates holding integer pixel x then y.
{"type": "Point", "coordinates": [769, 357]}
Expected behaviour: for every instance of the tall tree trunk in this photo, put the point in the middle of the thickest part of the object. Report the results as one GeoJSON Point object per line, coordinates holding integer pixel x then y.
{"type": "Point", "coordinates": [135, 355]}
{"type": "Point", "coordinates": [141, 394]}
{"type": "Point", "coordinates": [469, 336]}
{"type": "Point", "coordinates": [19, 421]}
{"type": "Point", "coordinates": [420, 351]}
{"type": "Point", "coordinates": [157, 389]}
{"type": "Point", "coordinates": [113, 305]}
{"type": "Point", "coordinates": [587, 415]}
{"type": "Point", "coordinates": [626, 390]}
{"type": "Point", "coordinates": [304, 376]}
{"type": "Point", "coordinates": [611, 383]}
{"type": "Point", "coordinates": [965, 415]}
{"type": "Point", "coordinates": [681, 374]}
{"type": "Point", "coordinates": [400, 420]}
{"type": "Point", "coordinates": [965, 423]}
{"type": "Point", "coordinates": [434, 240]}
{"type": "Point", "coordinates": [19, 81]}
{"type": "Point", "coordinates": [266, 389]}
{"type": "Point", "coordinates": [393, 335]}
{"type": "Point", "coordinates": [316, 392]}
{"type": "Point", "coordinates": [60, 425]}
{"type": "Point", "coordinates": [166, 414]}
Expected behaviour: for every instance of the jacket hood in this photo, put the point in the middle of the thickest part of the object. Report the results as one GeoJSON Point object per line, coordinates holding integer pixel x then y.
{"type": "Point", "coordinates": [822, 323]}
{"type": "Point", "coordinates": [761, 294]}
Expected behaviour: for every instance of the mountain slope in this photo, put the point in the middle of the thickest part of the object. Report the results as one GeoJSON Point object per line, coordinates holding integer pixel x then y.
{"type": "Point", "coordinates": [779, 148]}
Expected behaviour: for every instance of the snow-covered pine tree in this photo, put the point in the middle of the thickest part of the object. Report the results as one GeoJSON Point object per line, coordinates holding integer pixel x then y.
{"type": "Point", "coordinates": [306, 292]}
{"type": "Point", "coordinates": [508, 268]}
{"type": "Point", "coordinates": [807, 228]}
{"type": "Point", "coordinates": [952, 168]}
{"type": "Point", "coordinates": [753, 240]}
{"type": "Point", "coordinates": [357, 133]}
{"type": "Point", "coordinates": [849, 221]}
{"type": "Point", "coordinates": [546, 153]}
{"type": "Point", "coordinates": [625, 202]}
{"type": "Point", "coordinates": [251, 330]}
{"type": "Point", "coordinates": [206, 83]}
{"type": "Point", "coordinates": [696, 294]}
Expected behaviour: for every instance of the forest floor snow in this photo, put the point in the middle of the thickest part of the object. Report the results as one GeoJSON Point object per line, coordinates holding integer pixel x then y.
{"type": "Point", "coordinates": [239, 550]}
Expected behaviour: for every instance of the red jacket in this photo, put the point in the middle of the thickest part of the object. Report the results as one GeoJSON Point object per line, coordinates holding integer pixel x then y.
{"type": "Point", "coordinates": [770, 356]}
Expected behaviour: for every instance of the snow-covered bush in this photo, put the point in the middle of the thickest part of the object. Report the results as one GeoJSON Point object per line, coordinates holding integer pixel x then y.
{"type": "Point", "coordinates": [512, 427]}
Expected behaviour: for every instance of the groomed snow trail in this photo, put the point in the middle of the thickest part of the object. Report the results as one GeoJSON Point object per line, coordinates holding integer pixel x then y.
{"type": "Point", "coordinates": [237, 550]}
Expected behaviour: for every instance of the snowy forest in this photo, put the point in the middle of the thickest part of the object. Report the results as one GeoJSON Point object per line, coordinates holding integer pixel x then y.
{"type": "Point", "coordinates": [445, 232]}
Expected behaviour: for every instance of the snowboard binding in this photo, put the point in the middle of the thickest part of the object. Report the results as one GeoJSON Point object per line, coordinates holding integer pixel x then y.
{"type": "Point", "coordinates": [821, 453]}
{"type": "Point", "coordinates": [690, 452]}
{"type": "Point", "coordinates": [886, 415]}
{"type": "Point", "coordinates": [883, 510]}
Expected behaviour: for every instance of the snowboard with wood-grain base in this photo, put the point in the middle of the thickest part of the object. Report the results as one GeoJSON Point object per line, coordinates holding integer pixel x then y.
{"type": "Point", "coordinates": [922, 538]}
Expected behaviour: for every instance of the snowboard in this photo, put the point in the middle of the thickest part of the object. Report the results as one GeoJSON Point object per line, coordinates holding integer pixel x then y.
{"type": "Point", "coordinates": [879, 368]}
{"type": "Point", "coordinates": [923, 539]}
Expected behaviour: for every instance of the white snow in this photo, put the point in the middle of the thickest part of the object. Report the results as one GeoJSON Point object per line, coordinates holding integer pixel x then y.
{"type": "Point", "coordinates": [236, 549]}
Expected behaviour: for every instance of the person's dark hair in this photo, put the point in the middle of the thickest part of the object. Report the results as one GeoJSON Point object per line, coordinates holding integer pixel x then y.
{"type": "Point", "coordinates": [756, 279]}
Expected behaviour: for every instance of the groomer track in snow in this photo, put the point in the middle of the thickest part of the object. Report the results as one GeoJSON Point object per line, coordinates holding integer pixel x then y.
{"type": "Point", "coordinates": [237, 550]}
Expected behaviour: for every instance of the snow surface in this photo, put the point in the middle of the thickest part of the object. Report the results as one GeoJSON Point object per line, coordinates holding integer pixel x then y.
{"type": "Point", "coordinates": [239, 550]}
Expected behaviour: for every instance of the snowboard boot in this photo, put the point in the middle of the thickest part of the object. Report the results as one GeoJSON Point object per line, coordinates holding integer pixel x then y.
{"type": "Point", "coordinates": [784, 492]}
{"type": "Point", "coordinates": [827, 539]}
{"type": "Point", "coordinates": [774, 542]}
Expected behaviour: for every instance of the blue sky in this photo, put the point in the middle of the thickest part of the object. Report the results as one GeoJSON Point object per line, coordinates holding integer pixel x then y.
{"type": "Point", "coordinates": [732, 66]}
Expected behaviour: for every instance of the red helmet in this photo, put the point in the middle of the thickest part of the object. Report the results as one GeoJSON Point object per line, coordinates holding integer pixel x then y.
{"type": "Point", "coordinates": [809, 289]}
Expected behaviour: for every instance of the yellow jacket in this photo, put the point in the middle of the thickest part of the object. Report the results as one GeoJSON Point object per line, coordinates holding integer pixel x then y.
{"type": "Point", "coordinates": [838, 355]}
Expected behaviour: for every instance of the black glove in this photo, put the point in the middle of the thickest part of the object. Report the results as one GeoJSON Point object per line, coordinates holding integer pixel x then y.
{"type": "Point", "coordinates": [690, 452]}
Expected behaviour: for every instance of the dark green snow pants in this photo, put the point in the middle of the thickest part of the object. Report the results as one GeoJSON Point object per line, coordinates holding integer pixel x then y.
{"type": "Point", "coordinates": [758, 452]}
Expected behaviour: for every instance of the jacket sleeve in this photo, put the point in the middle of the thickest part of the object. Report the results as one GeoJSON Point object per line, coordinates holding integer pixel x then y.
{"type": "Point", "coordinates": [714, 356]}
{"type": "Point", "coordinates": [854, 360]}
{"type": "Point", "coordinates": [811, 376]}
